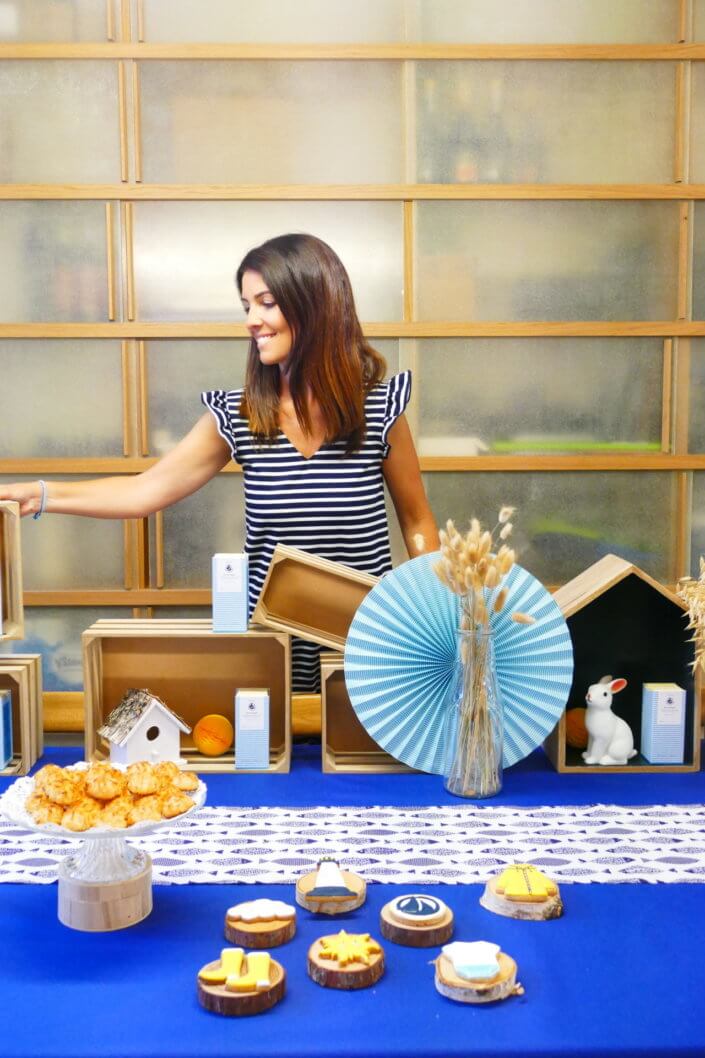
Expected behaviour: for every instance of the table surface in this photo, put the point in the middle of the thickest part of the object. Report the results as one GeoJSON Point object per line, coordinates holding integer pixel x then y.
{"type": "Point", "coordinates": [619, 973]}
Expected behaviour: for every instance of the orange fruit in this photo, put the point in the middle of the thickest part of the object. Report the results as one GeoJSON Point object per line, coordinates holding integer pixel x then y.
{"type": "Point", "coordinates": [575, 731]}
{"type": "Point", "coordinates": [213, 735]}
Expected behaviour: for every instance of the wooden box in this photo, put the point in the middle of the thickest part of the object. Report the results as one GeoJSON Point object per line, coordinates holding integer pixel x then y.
{"type": "Point", "coordinates": [21, 674]}
{"type": "Point", "coordinates": [11, 605]}
{"type": "Point", "coordinates": [194, 670]}
{"type": "Point", "coordinates": [624, 623]}
{"type": "Point", "coordinates": [345, 744]}
{"type": "Point", "coordinates": [311, 597]}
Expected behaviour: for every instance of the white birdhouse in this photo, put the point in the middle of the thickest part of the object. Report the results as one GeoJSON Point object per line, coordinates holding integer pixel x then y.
{"type": "Point", "coordinates": [142, 727]}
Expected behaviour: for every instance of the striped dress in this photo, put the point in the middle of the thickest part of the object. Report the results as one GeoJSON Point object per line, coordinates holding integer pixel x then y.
{"type": "Point", "coordinates": [330, 504]}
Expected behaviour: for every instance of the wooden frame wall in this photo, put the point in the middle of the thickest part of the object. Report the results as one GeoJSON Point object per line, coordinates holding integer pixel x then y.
{"type": "Point", "coordinates": [125, 47]}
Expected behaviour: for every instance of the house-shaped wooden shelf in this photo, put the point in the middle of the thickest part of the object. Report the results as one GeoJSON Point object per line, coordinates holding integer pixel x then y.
{"type": "Point", "coordinates": [625, 623]}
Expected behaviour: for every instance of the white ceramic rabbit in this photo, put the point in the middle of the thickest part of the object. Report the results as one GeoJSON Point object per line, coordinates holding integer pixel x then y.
{"type": "Point", "coordinates": [610, 739]}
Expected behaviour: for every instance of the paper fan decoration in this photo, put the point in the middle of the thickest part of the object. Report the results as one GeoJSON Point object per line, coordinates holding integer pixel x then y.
{"type": "Point", "coordinates": [400, 660]}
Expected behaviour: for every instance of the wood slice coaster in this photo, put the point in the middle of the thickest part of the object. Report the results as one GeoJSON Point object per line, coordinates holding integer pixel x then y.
{"type": "Point", "coordinates": [532, 910]}
{"type": "Point", "coordinates": [100, 907]}
{"type": "Point", "coordinates": [268, 934]}
{"type": "Point", "coordinates": [220, 1000]}
{"type": "Point", "coordinates": [329, 974]}
{"type": "Point", "coordinates": [432, 930]}
{"type": "Point", "coordinates": [501, 986]}
{"type": "Point", "coordinates": [326, 905]}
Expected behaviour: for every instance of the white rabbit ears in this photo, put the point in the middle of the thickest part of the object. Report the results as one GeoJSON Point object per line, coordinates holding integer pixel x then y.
{"type": "Point", "coordinates": [615, 685]}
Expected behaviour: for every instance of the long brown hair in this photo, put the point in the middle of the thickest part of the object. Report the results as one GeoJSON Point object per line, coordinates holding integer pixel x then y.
{"type": "Point", "coordinates": [330, 358]}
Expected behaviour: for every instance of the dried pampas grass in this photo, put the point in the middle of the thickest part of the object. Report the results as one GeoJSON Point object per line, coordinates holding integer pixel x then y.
{"type": "Point", "coordinates": [692, 592]}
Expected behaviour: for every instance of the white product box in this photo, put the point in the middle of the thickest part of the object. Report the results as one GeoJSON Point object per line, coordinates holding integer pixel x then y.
{"type": "Point", "coordinates": [5, 728]}
{"type": "Point", "coordinates": [662, 723]}
{"type": "Point", "coordinates": [251, 728]}
{"type": "Point", "coordinates": [230, 577]}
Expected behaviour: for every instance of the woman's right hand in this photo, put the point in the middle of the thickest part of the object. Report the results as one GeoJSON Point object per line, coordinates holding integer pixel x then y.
{"type": "Point", "coordinates": [27, 493]}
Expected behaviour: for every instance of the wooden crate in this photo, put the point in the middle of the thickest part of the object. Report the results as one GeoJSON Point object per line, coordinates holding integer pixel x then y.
{"type": "Point", "coordinates": [311, 597]}
{"type": "Point", "coordinates": [21, 675]}
{"type": "Point", "coordinates": [345, 744]}
{"type": "Point", "coordinates": [194, 670]}
{"type": "Point", "coordinates": [623, 622]}
{"type": "Point", "coordinates": [11, 605]}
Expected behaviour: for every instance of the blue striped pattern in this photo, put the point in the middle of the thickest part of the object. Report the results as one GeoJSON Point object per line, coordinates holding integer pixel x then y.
{"type": "Point", "coordinates": [400, 659]}
{"type": "Point", "coordinates": [331, 505]}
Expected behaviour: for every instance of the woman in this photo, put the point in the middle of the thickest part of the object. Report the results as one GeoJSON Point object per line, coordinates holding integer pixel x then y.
{"type": "Point", "coordinates": [315, 429]}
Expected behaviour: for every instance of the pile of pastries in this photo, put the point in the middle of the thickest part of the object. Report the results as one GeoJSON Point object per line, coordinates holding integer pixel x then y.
{"type": "Point", "coordinates": [105, 796]}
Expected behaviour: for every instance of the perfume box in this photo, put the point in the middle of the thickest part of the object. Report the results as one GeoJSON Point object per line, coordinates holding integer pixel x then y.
{"type": "Point", "coordinates": [230, 575]}
{"type": "Point", "coordinates": [662, 723]}
{"type": "Point", "coordinates": [251, 728]}
{"type": "Point", "coordinates": [5, 728]}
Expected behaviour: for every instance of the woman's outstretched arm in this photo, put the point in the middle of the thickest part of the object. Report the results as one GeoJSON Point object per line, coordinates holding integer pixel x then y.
{"type": "Point", "coordinates": [194, 461]}
{"type": "Point", "coordinates": [403, 477]}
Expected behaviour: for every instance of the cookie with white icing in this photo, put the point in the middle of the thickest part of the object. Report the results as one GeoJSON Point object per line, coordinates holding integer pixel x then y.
{"type": "Point", "coordinates": [416, 920]}
{"type": "Point", "coordinates": [476, 972]}
{"type": "Point", "coordinates": [261, 923]}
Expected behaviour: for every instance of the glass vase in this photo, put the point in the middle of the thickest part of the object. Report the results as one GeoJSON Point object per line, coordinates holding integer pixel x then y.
{"type": "Point", "coordinates": [473, 736]}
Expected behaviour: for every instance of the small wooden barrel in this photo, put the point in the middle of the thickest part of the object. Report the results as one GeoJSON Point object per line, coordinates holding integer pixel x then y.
{"type": "Point", "coordinates": [100, 907]}
{"type": "Point", "coordinates": [325, 905]}
{"type": "Point", "coordinates": [220, 1000]}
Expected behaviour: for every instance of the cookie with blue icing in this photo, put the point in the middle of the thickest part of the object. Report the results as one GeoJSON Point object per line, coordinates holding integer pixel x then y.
{"type": "Point", "coordinates": [417, 920]}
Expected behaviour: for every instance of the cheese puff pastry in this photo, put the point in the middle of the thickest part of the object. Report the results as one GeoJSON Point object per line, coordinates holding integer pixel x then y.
{"type": "Point", "coordinates": [117, 813]}
{"type": "Point", "coordinates": [146, 808]}
{"type": "Point", "coordinates": [42, 810]}
{"type": "Point", "coordinates": [175, 804]}
{"type": "Point", "coordinates": [142, 779]}
{"type": "Point", "coordinates": [82, 816]}
{"type": "Point", "coordinates": [186, 780]}
{"type": "Point", "coordinates": [105, 782]}
{"type": "Point", "coordinates": [66, 788]}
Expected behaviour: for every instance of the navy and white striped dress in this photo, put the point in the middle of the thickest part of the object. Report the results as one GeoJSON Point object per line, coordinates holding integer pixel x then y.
{"type": "Point", "coordinates": [331, 504]}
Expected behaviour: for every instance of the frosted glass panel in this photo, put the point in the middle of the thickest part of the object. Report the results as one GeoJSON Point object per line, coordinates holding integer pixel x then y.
{"type": "Point", "coordinates": [187, 253]}
{"type": "Point", "coordinates": [47, 20]}
{"type": "Point", "coordinates": [64, 553]}
{"type": "Point", "coordinates": [566, 521]}
{"type": "Point", "coordinates": [538, 395]}
{"type": "Point", "coordinates": [698, 19]}
{"type": "Point", "coordinates": [54, 261]}
{"type": "Point", "coordinates": [270, 21]}
{"type": "Point", "coordinates": [547, 21]}
{"type": "Point", "coordinates": [211, 520]}
{"type": "Point", "coordinates": [699, 262]}
{"type": "Point", "coordinates": [55, 633]}
{"type": "Point", "coordinates": [696, 440]}
{"type": "Point", "coordinates": [59, 122]}
{"type": "Point", "coordinates": [547, 260]}
{"type": "Point", "coordinates": [272, 122]}
{"type": "Point", "coordinates": [179, 371]}
{"type": "Point", "coordinates": [697, 538]}
{"type": "Point", "coordinates": [697, 124]}
{"type": "Point", "coordinates": [545, 122]}
{"type": "Point", "coordinates": [73, 391]}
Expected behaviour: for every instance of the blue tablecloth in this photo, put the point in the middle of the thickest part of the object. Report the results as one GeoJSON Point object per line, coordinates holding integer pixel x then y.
{"type": "Point", "coordinates": [619, 974]}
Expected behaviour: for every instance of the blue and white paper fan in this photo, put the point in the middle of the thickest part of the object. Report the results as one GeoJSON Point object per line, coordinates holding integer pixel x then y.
{"type": "Point", "coordinates": [400, 660]}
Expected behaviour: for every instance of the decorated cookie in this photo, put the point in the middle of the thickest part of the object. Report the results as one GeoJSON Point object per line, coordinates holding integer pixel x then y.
{"type": "Point", "coordinates": [522, 891]}
{"type": "Point", "coordinates": [476, 972]}
{"type": "Point", "coordinates": [345, 960]}
{"type": "Point", "coordinates": [260, 923]}
{"type": "Point", "coordinates": [416, 919]}
{"type": "Point", "coordinates": [330, 891]}
{"type": "Point", "coordinates": [239, 984]}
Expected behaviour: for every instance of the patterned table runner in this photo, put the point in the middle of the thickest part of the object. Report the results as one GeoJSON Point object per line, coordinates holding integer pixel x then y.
{"type": "Point", "coordinates": [409, 846]}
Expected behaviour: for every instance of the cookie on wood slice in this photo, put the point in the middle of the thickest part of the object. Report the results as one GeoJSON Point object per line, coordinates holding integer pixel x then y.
{"type": "Point", "coordinates": [345, 960]}
{"type": "Point", "coordinates": [330, 891]}
{"type": "Point", "coordinates": [240, 984]}
{"type": "Point", "coordinates": [495, 980]}
{"type": "Point", "coordinates": [260, 923]}
{"type": "Point", "coordinates": [522, 891]}
{"type": "Point", "coordinates": [416, 920]}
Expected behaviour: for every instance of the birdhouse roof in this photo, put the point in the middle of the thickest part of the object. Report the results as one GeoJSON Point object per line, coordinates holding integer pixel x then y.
{"type": "Point", "coordinates": [599, 578]}
{"type": "Point", "coordinates": [122, 720]}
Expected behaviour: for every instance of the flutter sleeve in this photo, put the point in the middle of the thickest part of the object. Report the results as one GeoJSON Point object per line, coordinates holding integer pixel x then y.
{"type": "Point", "coordinates": [224, 407]}
{"type": "Point", "coordinates": [398, 393]}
